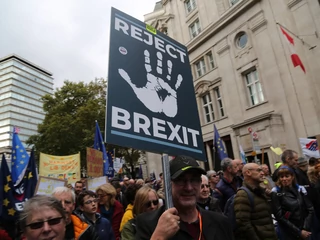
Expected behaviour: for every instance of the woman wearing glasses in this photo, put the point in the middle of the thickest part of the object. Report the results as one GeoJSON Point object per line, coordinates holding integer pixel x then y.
{"type": "Point", "coordinates": [109, 207]}
{"type": "Point", "coordinates": [43, 217]}
{"type": "Point", "coordinates": [146, 200]}
{"type": "Point", "coordinates": [213, 178]}
{"type": "Point", "coordinates": [291, 206]}
{"type": "Point", "coordinates": [88, 204]}
{"type": "Point", "coordinates": [204, 200]}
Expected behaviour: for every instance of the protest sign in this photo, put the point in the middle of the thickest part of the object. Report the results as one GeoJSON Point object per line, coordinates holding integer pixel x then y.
{"type": "Point", "coordinates": [117, 164]}
{"type": "Point", "coordinates": [94, 163]}
{"type": "Point", "coordinates": [46, 185]}
{"type": "Point", "coordinates": [94, 183]}
{"type": "Point", "coordinates": [61, 167]}
{"type": "Point", "coordinates": [151, 99]}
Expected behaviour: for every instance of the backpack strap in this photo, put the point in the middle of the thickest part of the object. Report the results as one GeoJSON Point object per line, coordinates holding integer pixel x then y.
{"type": "Point", "coordinates": [250, 197]}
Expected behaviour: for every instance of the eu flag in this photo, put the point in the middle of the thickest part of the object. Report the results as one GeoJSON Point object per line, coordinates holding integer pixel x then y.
{"type": "Point", "coordinates": [7, 201]}
{"type": "Point", "coordinates": [30, 178]}
{"type": "Point", "coordinates": [219, 145]}
{"type": "Point", "coordinates": [19, 159]}
{"type": "Point", "coordinates": [110, 172]}
{"type": "Point", "coordinates": [99, 145]}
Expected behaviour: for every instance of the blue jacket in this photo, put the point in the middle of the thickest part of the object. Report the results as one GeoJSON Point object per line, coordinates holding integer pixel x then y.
{"type": "Point", "coordinates": [225, 190]}
{"type": "Point", "coordinates": [102, 227]}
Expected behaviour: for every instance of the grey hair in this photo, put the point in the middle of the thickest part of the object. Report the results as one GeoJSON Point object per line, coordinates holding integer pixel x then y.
{"type": "Point", "coordinates": [225, 163]}
{"type": "Point", "coordinates": [211, 172]}
{"type": "Point", "coordinates": [37, 202]}
{"type": "Point", "coordinates": [205, 176]}
{"type": "Point", "coordinates": [59, 190]}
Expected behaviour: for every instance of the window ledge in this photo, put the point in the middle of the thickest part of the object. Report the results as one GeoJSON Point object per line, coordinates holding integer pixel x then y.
{"type": "Point", "coordinates": [210, 123]}
{"type": "Point", "coordinates": [198, 78]}
{"type": "Point", "coordinates": [257, 105]}
{"type": "Point", "coordinates": [191, 14]}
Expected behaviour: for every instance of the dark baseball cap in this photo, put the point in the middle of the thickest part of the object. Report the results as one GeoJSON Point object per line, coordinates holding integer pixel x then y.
{"type": "Point", "coordinates": [181, 164]}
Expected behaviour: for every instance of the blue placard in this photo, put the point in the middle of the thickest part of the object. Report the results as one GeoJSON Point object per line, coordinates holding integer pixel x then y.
{"type": "Point", "coordinates": [151, 99]}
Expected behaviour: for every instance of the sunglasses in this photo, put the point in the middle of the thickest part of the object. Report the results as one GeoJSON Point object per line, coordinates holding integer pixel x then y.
{"type": "Point", "coordinates": [204, 185]}
{"type": "Point", "coordinates": [214, 175]}
{"type": "Point", "coordinates": [91, 201]}
{"type": "Point", "coordinates": [154, 202]}
{"type": "Point", "coordinates": [51, 222]}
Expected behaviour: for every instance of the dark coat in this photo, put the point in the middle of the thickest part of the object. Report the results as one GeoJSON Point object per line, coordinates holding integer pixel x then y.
{"type": "Point", "coordinates": [253, 223]}
{"type": "Point", "coordinates": [215, 226]}
{"type": "Point", "coordinates": [102, 227]}
{"type": "Point", "coordinates": [225, 189]}
{"type": "Point", "coordinates": [212, 204]}
{"type": "Point", "coordinates": [293, 210]}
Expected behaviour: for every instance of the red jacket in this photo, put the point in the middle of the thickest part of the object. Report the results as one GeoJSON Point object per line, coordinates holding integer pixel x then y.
{"type": "Point", "coordinates": [116, 218]}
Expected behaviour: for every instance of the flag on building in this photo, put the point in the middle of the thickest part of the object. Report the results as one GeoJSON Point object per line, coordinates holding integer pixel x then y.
{"type": "Point", "coordinates": [99, 145]}
{"type": "Point", "coordinates": [294, 56]}
{"type": "Point", "coordinates": [7, 201]}
{"type": "Point", "coordinates": [19, 158]}
{"type": "Point", "coordinates": [218, 144]}
{"type": "Point", "coordinates": [243, 155]}
{"type": "Point", "coordinates": [310, 147]}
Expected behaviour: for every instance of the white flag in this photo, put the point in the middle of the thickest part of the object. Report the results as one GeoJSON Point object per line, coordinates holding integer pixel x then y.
{"type": "Point", "coordinates": [309, 147]}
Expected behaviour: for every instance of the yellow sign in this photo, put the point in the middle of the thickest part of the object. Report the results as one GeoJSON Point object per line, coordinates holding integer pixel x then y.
{"type": "Point", "coordinates": [61, 167]}
{"type": "Point", "coordinates": [45, 185]}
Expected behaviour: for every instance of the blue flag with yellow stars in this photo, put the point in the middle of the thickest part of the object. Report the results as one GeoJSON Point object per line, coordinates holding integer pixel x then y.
{"type": "Point", "coordinates": [217, 143]}
{"type": "Point", "coordinates": [19, 159]}
{"type": "Point", "coordinates": [99, 145]}
{"type": "Point", "coordinates": [25, 190]}
{"type": "Point", "coordinates": [7, 201]}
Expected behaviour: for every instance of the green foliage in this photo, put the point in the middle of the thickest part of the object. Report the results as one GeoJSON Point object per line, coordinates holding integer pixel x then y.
{"type": "Point", "coordinates": [69, 124]}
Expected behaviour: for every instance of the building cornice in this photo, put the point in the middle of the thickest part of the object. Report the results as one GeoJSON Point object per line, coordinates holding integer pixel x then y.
{"type": "Point", "coordinates": [258, 118]}
{"type": "Point", "coordinates": [215, 27]}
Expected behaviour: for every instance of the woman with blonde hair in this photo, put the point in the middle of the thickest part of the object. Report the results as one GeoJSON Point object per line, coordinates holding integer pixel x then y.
{"type": "Point", "coordinates": [291, 206]}
{"type": "Point", "coordinates": [109, 207]}
{"type": "Point", "coordinates": [146, 200]}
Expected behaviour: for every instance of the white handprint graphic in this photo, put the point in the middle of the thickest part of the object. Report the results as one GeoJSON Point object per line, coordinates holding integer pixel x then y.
{"type": "Point", "coordinates": [150, 95]}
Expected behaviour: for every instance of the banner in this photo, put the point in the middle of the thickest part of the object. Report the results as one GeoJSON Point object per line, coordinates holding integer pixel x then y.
{"type": "Point", "coordinates": [94, 183]}
{"type": "Point", "coordinates": [94, 163]}
{"type": "Point", "coordinates": [310, 147]}
{"type": "Point", "coordinates": [46, 185]}
{"type": "Point", "coordinates": [151, 101]}
{"type": "Point", "coordinates": [61, 167]}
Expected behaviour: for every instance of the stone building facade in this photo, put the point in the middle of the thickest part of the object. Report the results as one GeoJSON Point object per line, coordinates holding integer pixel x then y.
{"type": "Point", "coordinates": [243, 73]}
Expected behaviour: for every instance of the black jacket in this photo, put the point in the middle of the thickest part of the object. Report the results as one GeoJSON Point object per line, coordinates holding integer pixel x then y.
{"type": "Point", "coordinates": [212, 204]}
{"type": "Point", "coordinates": [292, 209]}
{"type": "Point", "coordinates": [215, 226]}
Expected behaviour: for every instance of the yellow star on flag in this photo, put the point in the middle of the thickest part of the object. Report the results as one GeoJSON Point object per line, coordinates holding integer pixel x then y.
{"type": "Point", "coordinates": [17, 146]}
{"type": "Point", "coordinates": [12, 163]}
{"type": "Point", "coordinates": [11, 211]}
{"type": "Point", "coordinates": [30, 175]}
{"type": "Point", "coordinates": [23, 156]}
{"type": "Point", "coordinates": [6, 188]}
{"type": "Point", "coordinates": [21, 162]}
{"type": "Point", "coordinates": [14, 157]}
{"type": "Point", "coordinates": [8, 178]}
{"type": "Point", "coordinates": [14, 151]}
{"type": "Point", "coordinates": [104, 161]}
{"type": "Point", "coordinates": [21, 150]}
{"type": "Point", "coordinates": [6, 202]}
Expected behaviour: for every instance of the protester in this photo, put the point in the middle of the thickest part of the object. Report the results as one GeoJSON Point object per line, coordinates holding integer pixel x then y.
{"type": "Point", "coordinates": [88, 204]}
{"type": "Point", "coordinates": [78, 186]}
{"type": "Point", "coordinates": [228, 184]}
{"type": "Point", "coordinates": [213, 178]}
{"type": "Point", "coordinates": [185, 220]}
{"type": "Point", "coordinates": [109, 207]}
{"type": "Point", "coordinates": [76, 228]}
{"type": "Point", "coordinates": [204, 200]}
{"type": "Point", "coordinates": [146, 200]}
{"type": "Point", "coordinates": [140, 182]}
{"type": "Point", "coordinates": [43, 217]}
{"type": "Point", "coordinates": [291, 206]}
{"type": "Point", "coordinates": [239, 174]}
{"type": "Point", "coordinates": [313, 161]}
{"type": "Point", "coordinates": [267, 183]}
{"type": "Point", "coordinates": [301, 172]}
{"type": "Point", "coordinates": [253, 218]}
{"type": "Point", "coordinates": [289, 158]}
{"type": "Point", "coordinates": [119, 196]}
{"type": "Point", "coordinates": [130, 196]}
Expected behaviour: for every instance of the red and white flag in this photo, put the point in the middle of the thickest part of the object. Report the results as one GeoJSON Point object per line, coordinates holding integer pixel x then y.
{"type": "Point", "coordinates": [294, 56]}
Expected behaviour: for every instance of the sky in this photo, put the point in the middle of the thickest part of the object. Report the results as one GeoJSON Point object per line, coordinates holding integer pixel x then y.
{"type": "Point", "coordinates": [69, 38]}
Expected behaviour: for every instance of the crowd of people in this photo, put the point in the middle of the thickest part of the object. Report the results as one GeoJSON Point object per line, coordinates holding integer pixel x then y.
{"type": "Point", "coordinates": [242, 201]}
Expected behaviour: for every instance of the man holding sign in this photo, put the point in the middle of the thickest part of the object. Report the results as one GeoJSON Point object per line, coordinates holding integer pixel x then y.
{"type": "Point", "coordinates": [185, 220]}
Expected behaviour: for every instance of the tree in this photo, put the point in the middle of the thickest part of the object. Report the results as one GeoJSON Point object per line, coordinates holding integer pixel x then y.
{"type": "Point", "coordinates": [69, 123]}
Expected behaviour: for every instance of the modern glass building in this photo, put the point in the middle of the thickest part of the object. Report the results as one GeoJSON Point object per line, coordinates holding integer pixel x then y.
{"type": "Point", "coordinates": [22, 84]}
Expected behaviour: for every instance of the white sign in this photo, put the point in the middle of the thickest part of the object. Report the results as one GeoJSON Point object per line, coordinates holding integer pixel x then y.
{"type": "Point", "coordinates": [94, 183]}
{"type": "Point", "coordinates": [46, 185]}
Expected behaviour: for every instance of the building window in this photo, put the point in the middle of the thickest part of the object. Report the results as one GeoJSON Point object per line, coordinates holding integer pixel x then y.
{"type": "Point", "coordinates": [190, 5]}
{"type": "Point", "coordinates": [210, 60]}
{"type": "Point", "coordinates": [241, 40]}
{"type": "Point", "coordinates": [200, 67]}
{"type": "Point", "coordinates": [254, 88]}
{"type": "Point", "coordinates": [195, 28]}
{"type": "Point", "coordinates": [219, 102]}
{"type": "Point", "coordinates": [233, 2]}
{"type": "Point", "coordinates": [208, 108]}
